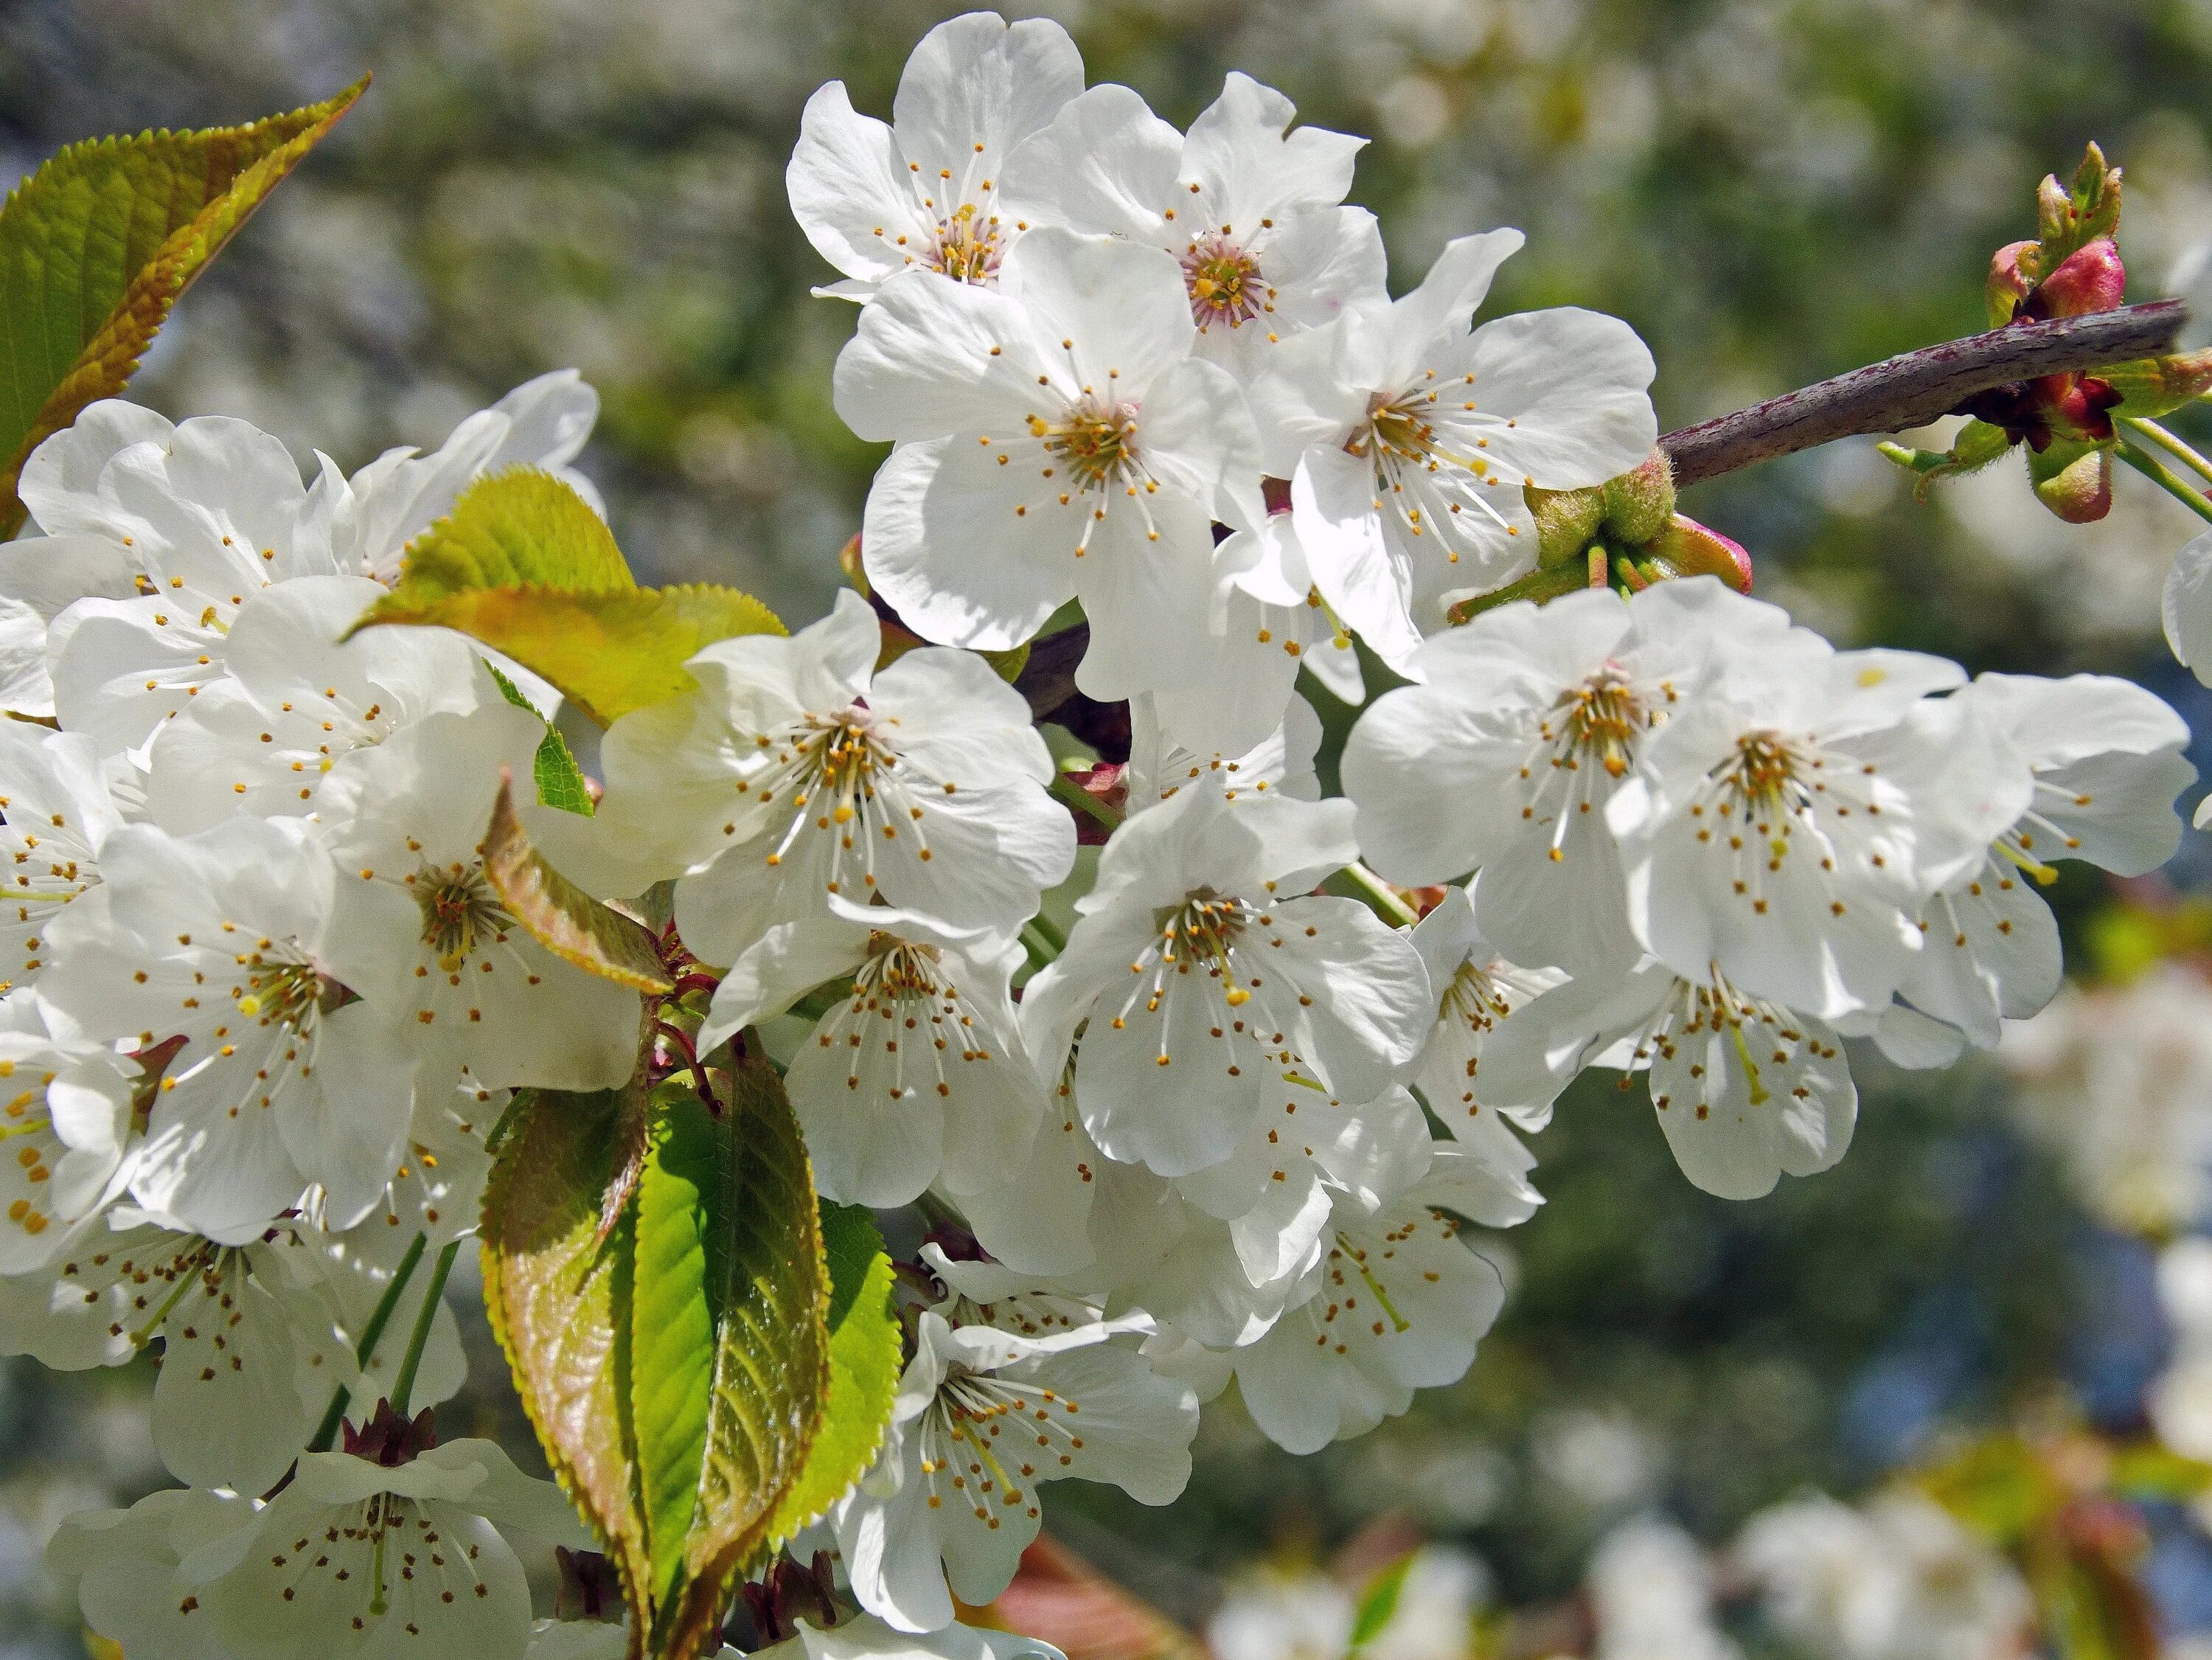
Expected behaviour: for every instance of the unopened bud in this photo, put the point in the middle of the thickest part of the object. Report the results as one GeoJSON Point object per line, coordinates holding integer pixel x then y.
{"type": "Point", "coordinates": [2011, 280]}
{"type": "Point", "coordinates": [1565, 521]}
{"type": "Point", "coordinates": [2092, 278]}
{"type": "Point", "coordinates": [2074, 480]}
{"type": "Point", "coordinates": [1686, 547]}
{"type": "Point", "coordinates": [1640, 503]}
{"type": "Point", "coordinates": [848, 561]}
{"type": "Point", "coordinates": [2067, 218]}
{"type": "Point", "coordinates": [2152, 386]}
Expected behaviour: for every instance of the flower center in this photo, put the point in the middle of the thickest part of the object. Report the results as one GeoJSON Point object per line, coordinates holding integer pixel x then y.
{"type": "Point", "coordinates": [1760, 779]}
{"type": "Point", "coordinates": [1224, 282]}
{"type": "Point", "coordinates": [280, 994]}
{"type": "Point", "coordinates": [458, 909]}
{"type": "Point", "coordinates": [1474, 998]}
{"type": "Point", "coordinates": [897, 968]}
{"type": "Point", "coordinates": [834, 769]}
{"type": "Point", "coordinates": [1204, 929]}
{"type": "Point", "coordinates": [1603, 717]}
{"type": "Point", "coordinates": [967, 246]}
{"type": "Point", "coordinates": [1095, 442]}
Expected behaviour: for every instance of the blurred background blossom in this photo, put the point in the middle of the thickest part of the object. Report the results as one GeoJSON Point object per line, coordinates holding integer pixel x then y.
{"type": "Point", "coordinates": [1910, 1410]}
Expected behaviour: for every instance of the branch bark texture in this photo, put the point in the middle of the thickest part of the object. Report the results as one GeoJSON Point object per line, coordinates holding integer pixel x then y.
{"type": "Point", "coordinates": [1918, 387]}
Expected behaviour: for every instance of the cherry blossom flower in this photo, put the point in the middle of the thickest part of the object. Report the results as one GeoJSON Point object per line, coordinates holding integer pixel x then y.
{"type": "Point", "coordinates": [1782, 827]}
{"type": "Point", "coordinates": [923, 192]}
{"type": "Point", "coordinates": [267, 739]}
{"type": "Point", "coordinates": [1398, 1303]}
{"type": "Point", "coordinates": [418, 930]}
{"type": "Point", "coordinates": [915, 1075]}
{"type": "Point", "coordinates": [797, 772]}
{"type": "Point", "coordinates": [1407, 440]}
{"type": "Point", "coordinates": [1747, 1089]}
{"type": "Point", "coordinates": [1057, 440]}
{"type": "Point", "coordinates": [1198, 975]}
{"type": "Point", "coordinates": [396, 1558]}
{"type": "Point", "coordinates": [983, 1417]}
{"type": "Point", "coordinates": [60, 806]}
{"type": "Point", "coordinates": [1250, 210]}
{"type": "Point", "coordinates": [283, 1079]}
{"type": "Point", "coordinates": [1530, 720]}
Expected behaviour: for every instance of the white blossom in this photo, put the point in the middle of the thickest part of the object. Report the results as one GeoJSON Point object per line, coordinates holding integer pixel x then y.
{"type": "Point", "coordinates": [1058, 440]}
{"type": "Point", "coordinates": [797, 772]}
{"type": "Point", "coordinates": [418, 930]}
{"type": "Point", "coordinates": [1201, 973]}
{"type": "Point", "coordinates": [214, 514]}
{"type": "Point", "coordinates": [226, 940]}
{"type": "Point", "coordinates": [1529, 721]}
{"type": "Point", "coordinates": [981, 1418]}
{"type": "Point", "coordinates": [1747, 1089]}
{"type": "Point", "coordinates": [1781, 827]}
{"type": "Point", "coordinates": [917, 1073]}
{"type": "Point", "coordinates": [383, 1559]}
{"type": "Point", "coordinates": [266, 739]}
{"type": "Point", "coordinates": [2106, 760]}
{"type": "Point", "coordinates": [924, 192]}
{"type": "Point", "coordinates": [1477, 990]}
{"type": "Point", "coordinates": [1407, 440]}
{"type": "Point", "coordinates": [1250, 208]}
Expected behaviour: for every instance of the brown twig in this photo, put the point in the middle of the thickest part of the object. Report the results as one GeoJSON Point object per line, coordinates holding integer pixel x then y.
{"type": "Point", "coordinates": [1919, 387]}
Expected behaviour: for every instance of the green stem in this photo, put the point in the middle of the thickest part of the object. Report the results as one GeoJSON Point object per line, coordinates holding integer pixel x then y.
{"type": "Point", "coordinates": [326, 1434]}
{"type": "Point", "coordinates": [1083, 801]}
{"type": "Point", "coordinates": [1041, 951]}
{"type": "Point", "coordinates": [2163, 477]}
{"type": "Point", "coordinates": [2166, 441]}
{"type": "Point", "coordinates": [1049, 931]}
{"type": "Point", "coordinates": [1381, 894]}
{"type": "Point", "coordinates": [433, 1297]}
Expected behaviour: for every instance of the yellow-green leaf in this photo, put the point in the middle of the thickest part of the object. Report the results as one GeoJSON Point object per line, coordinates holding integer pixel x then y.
{"type": "Point", "coordinates": [96, 246]}
{"type": "Point", "coordinates": [516, 528]}
{"type": "Point", "coordinates": [524, 565]}
{"type": "Point", "coordinates": [560, 915]}
{"type": "Point", "coordinates": [865, 1361]}
{"type": "Point", "coordinates": [550, 1288]}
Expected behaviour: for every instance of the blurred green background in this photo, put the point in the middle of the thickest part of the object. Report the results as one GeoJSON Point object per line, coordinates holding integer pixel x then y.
{"type": "Point", "coordinates": [1770, 193]}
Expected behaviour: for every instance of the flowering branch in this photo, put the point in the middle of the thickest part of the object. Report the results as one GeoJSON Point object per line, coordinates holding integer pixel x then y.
{"type": "Point", "coordinates": [1916, 387]}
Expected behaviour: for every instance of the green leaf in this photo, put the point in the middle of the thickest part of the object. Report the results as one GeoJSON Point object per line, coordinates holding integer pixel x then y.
{"type": "Point", "coordinates": [676, 1372]}
{"type": "Point", "coordinates": [1379, 1602]}
{"type": "Point", "coordinates": [96, 246]}
{"type": "Point", "coordinates": [866, 1358]}
{"type": "Point", "coordinates": [524, 565]}
{"type": "Point", "coordinates": [551, 1289]}
{"type": "Point", "coordinates": [560, 780]}
{"type": "Point", "coordinates": [769, 1287]}
{"type": "Point", "coordinates": [560, 915]}
{"type": "Point", "coordinates": [672, 1346]}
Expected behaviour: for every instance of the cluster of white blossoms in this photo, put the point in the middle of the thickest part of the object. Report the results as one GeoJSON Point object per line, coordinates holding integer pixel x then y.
{"type": "Point", "coordinates": [1180, 1115]}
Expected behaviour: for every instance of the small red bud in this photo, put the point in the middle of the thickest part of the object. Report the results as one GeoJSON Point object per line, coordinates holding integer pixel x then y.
{"type": "Point", "coordinates": [2090, 279]}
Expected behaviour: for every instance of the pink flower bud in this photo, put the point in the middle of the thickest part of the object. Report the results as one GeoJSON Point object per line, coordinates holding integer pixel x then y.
{"type": "Point", "coordinates": [2007, 285]}
{"type": "Point", "coordinates": [2090, 279]}
{"type": "Point", "coordinates": [1686, 547]}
